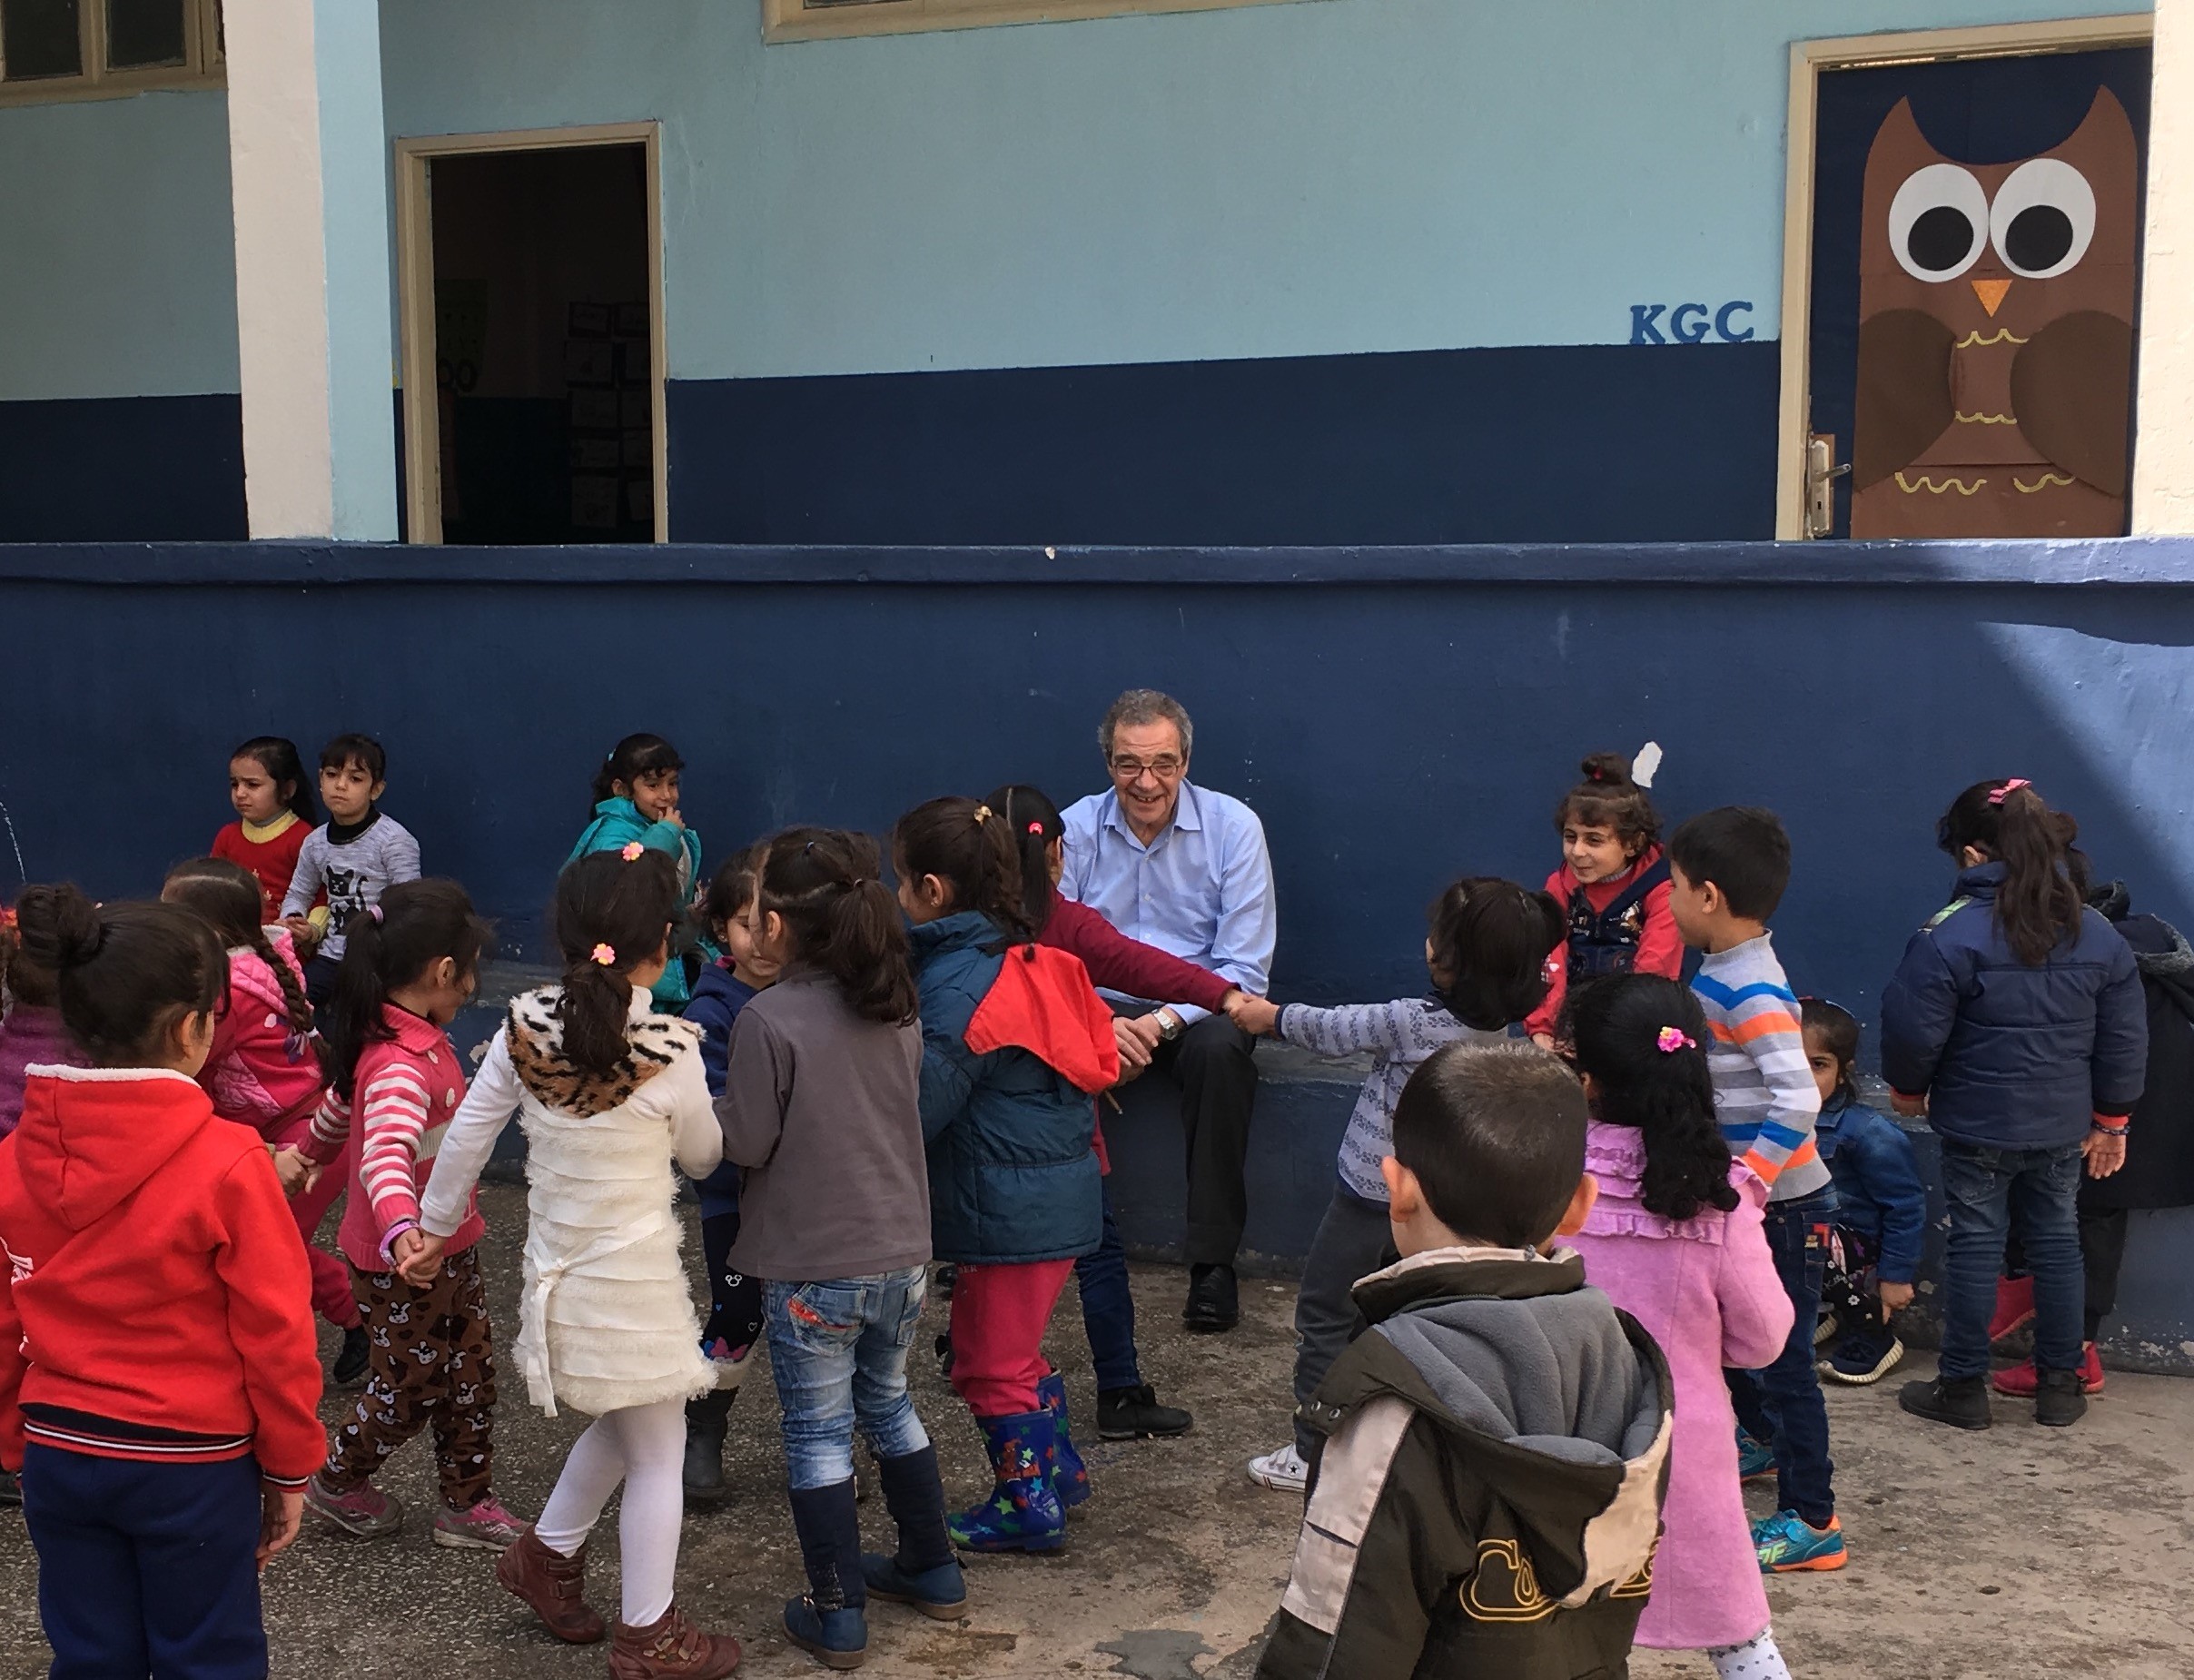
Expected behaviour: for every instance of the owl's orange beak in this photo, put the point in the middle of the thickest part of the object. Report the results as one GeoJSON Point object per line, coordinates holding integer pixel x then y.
{"type": "Point", "coordinates": [1990, 293]}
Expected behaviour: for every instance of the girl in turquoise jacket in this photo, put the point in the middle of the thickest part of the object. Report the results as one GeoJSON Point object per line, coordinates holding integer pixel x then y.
{"type": "Point", "coordinates": [635, 799]}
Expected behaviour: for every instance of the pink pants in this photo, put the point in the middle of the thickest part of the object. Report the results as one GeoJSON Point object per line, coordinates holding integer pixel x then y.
{"type": "Point", "coordinates": [999, 1314]}
{"type": "Point", "coordinates": [332, 1296]}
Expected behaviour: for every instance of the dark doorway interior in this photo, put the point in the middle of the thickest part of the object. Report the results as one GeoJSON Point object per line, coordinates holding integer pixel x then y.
{"type": "Point", "coordinates": [541, 296]}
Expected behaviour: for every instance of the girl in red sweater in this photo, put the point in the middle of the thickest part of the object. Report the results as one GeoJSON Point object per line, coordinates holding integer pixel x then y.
{"type": "Point", "coordinates": [274, 812]}
{"type": "Point", "coordinates": [264, 1070]}
{"type": "Point", "coordinates": [1613, 886]}
{"type": "Point", "coordinates": [158, 1377]}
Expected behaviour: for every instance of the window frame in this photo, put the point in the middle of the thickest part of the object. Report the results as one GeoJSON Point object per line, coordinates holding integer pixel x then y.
{"type": "Point", "coordinates": [793, 20]}
{"type": "Point", "coordinates": [204, 64]}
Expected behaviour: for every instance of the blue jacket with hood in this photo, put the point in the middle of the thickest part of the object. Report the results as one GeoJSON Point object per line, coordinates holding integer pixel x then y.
{"type": "Point", "coordinates": [2012, 1056]}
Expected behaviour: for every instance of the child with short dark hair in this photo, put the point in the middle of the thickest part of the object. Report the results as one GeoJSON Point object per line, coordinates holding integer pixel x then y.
{"type": "Point", "coordinates": [1882, 1212]}
{"type": "Point", "coordinates": [2017, 1024]}
{"type": "Point", "coordinates": [735, 1307]}
{"type": "Point", "coordinates": [274, 815]}
{"type": "Point", "coordinates": [822, 1107]}
{"type": "Point", "coordinates": [1487, 952]}
{"type": "Point", "coordinates": [1676, 1238]}
{"type": "Point", "coordinates": [1485, 1491]}
{"type": "Point", "coordinates": [636, 798]}
{"type": "Point", "coordinates": [158, 1374]}
{"type": "Point", "coordinates": [353, 858]}
{"type": "Point", "coordinates": [1613, 887]}
{"type": "Point", "coordinates": [394, 1080]}
{"type": "Point", "coordinates": [1727, 871]}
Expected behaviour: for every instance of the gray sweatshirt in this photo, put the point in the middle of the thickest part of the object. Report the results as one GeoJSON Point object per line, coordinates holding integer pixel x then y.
{"type": "Point", "coordinates": [356, 872]}
{"type": "Point", "coordinates": [820, 1107]}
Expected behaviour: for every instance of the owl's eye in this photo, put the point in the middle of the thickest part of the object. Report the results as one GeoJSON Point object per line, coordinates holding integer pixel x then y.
{"type": "Point", "coordinates": [2043, 218]}
{"type": "Point", "coordinates": [1938, 222]}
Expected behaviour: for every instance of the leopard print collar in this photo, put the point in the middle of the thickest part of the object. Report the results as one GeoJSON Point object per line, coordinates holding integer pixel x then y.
{"type": "Point", "coordinates": [536, 1037]}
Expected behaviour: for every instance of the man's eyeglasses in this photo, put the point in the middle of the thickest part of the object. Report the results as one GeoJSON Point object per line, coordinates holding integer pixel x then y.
{"type": "Point", "coordinates": [1131, 769]}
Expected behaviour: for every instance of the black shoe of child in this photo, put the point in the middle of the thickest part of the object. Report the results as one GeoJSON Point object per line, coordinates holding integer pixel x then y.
{"type": "Point", "coordinates": [707, 1420]}
{"type": "Point", "coordinates": [351, 1363]}
{"type": "Point", "coordinates": [1135, 1415]}
{"type": "Point", "coordinates": [1963, 1402]}
{"type": "Point", "coordinates": [1862, 1356]}
{"type": "Point", "coordinates": [2058, 1400]}
{"type": "Point", "coordinates": [1213, 1303]}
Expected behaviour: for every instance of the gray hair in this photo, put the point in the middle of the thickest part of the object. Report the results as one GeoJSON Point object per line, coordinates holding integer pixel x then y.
{"type": "Point", "coordinates": [1145, 706]}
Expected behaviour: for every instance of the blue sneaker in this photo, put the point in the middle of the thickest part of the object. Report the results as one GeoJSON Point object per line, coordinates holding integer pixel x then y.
{"type": "Point", "coordinates": [1787, 1543]}
{"type": "Point", "coordinates": [1755, 1458]}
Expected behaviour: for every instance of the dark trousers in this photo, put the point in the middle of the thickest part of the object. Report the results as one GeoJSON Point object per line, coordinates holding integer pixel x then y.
{"type": "Point", "coordinates": [1989, 1190]}
{"type": "Point", "coordinates": [2102, 1246]}
{"type": "Point", "coordinates": [734, 1300]}
{"type": "Point", "coordinates": [1108, 1308]}
{"type": "Point", "coordinates": [1781, 1404]}
{"type": "Point", "coordinates": [146, 1568]}
{"type": "Point", "coordinates": [1351, 1239]}
{"type": "Point", "coordinates": [320, 980]}
{"type": "Point", "coordinates": [1214, 1064]}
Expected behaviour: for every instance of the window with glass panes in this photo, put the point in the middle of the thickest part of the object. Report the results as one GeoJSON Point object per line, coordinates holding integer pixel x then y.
{"type": "Point", "coordinates": [78, 49]}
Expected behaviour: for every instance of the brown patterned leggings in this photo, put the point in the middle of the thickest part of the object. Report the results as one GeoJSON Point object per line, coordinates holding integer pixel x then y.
{"type": "Point", "coordinates": [431, 1363]}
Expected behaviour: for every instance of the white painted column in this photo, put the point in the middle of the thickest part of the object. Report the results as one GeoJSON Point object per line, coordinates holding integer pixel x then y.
{"type": "Point", "coordinates": [2163, 443]}
{"type": "Point", "coordinates": [308, 177]}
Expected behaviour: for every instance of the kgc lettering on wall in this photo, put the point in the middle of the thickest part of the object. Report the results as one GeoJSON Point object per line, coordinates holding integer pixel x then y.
{"type": "Point", "coordinates": [1689, 323]}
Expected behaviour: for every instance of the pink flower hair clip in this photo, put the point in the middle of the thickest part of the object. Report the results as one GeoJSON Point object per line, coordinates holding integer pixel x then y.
{"type": "Point", "coordinates": [1672, 1039]}
{"type": "Point", "coordinates": [605, 954]}
{"type": "Point", "coordinates": [631, 851]}
{"type": "Point", "coordinates": [2008, 789]}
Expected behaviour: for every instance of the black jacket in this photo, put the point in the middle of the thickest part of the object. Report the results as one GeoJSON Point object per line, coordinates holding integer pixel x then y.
{"type": "Point", "coordinates": [2160, 1150]}
{"type": "Point", "coordinates": [1486, 1501]}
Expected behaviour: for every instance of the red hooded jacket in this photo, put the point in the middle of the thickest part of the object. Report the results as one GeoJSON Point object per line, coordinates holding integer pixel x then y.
{"type": "Point", "coordinates": [158, 1305]}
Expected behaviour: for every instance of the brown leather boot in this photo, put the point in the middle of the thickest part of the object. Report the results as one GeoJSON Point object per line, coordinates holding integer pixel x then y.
{"type": "Point", "coordinates": [555, 1586]}
{"type": "Point", "coordinates": [671, 1649]}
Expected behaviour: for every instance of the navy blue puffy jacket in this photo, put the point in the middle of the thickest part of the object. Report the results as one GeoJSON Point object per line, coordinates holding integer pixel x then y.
{"type": "Point", "coordinates": [1012, 1169]}
{"type": "Point", "coordinates": [2013, 1057]}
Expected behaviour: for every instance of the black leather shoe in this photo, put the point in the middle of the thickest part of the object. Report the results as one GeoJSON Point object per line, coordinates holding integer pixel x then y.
{"type": "Point", "coordinates": [1213, 1304]}
{"type": "Point", "coordinates": [2058, 1400]}
{"type": "Point", "coordinates": [1135, 1415]}
{"type": "Point", "coordinates": [1963, 1402]}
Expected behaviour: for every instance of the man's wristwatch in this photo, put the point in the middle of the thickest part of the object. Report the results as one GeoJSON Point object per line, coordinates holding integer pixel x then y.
{"type": "Point", "coordinates": [1169, 1026]}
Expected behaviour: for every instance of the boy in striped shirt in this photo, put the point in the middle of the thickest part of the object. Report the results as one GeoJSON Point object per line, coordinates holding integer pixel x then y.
{"type": "Point", "coordinates": [1727, 870]}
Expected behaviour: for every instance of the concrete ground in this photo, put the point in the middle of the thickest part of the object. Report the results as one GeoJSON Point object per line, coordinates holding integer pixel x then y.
{"type": "Point", "coordinates": [2019, 1552]}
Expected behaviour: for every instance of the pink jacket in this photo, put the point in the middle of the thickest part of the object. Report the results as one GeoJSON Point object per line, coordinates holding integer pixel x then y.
{"type": "Point", "coordinates": [1707, 1290]}
{"type": "Point", "coordinates": [31, 1035]}
{"type": "Point", "coordinates": [262, 1073]}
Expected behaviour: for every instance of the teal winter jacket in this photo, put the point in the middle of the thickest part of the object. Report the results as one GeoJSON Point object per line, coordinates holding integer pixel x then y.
{"type": "Point", "coordinates": [1012, 1169]}
{"type": "Point", "coordinates": [617, 824]}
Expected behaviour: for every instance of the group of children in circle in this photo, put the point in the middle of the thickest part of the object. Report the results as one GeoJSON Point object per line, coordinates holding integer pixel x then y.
{"type": "Point", "coordinates": [861, 1082]}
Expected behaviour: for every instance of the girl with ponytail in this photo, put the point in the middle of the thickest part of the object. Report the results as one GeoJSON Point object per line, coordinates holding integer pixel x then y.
{"type": "Point", "coordinates": [610, 1096]}
{"type": "Point", "coordinates": [2017, 1024]}
{"type": "Point", "coordinates": [1015, 1043]}
{"type": "Point", "coordinates": [821, 1107]}
{"type": "Point", "coordinates": [1676, 1241]}
{"type": "Point", "coordinates": [264, 1071]}
{"type": "Point", "coordinates": [409, 964]}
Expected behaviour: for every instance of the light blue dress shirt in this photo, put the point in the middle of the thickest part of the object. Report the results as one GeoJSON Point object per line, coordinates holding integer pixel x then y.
{"type": "Point", "coordinates": [1201, 890]}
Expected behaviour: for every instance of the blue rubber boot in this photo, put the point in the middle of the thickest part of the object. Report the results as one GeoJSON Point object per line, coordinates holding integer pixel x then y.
{"type": "Point", "coordinates": [1070, 1475]}
{"type": "Point", "coordinates": [1023, 1513]}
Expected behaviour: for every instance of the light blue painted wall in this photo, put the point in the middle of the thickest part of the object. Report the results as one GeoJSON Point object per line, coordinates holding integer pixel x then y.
{"type": "Point", "coordinates": [1334, 175]}
{"type": "Point", "coordinates": [117, 256]}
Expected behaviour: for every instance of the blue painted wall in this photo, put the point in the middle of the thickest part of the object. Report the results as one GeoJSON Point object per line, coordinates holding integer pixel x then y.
{"type": "Point", "coordinates": [1398, 717]}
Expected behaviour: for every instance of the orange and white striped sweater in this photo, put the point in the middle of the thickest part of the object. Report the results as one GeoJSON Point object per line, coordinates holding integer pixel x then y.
{"type": "Point", "coordinates": [386, 1137]}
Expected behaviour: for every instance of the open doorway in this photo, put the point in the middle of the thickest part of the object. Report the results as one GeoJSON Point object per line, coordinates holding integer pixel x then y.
{"type": "Point", "coordinates": [532, 280]}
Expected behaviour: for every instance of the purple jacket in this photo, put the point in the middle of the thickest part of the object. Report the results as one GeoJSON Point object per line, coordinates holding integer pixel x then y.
{"type": "Point", "coordinates": [1707, 1290]}
{"type": "Point", "coordinates": [30, 1034]}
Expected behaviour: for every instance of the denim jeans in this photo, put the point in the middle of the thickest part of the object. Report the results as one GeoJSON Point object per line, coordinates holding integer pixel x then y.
{"type": "Point", "coordinates": [1781, 1404]}
{"type": "Point", "coordinates": [1987, 1190]}
{"type": "Point", "coordinates": [1108, 1308]}
{"type": "Point", "coordinates": [838, 1352]}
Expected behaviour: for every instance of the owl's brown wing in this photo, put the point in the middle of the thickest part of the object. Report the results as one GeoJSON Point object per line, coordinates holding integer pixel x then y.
{"type": "Point", "coordinates": [1904, 400]}
{"type": "Point", "coordinates": [2071, 387]}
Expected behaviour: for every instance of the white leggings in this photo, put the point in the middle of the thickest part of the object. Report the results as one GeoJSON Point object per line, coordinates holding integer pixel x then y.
{"type": "Point", "coordinates": [642, 1446]}
{"type": "Point", "coordinates": [1756, 1659]}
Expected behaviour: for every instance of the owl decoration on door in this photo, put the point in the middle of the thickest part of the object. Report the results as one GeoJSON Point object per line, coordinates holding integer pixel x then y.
{"type": "Point", "coordinates": [1996, 336]}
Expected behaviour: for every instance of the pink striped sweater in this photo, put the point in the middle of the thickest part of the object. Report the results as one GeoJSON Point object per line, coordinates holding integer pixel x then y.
{"type": "Point", "coordinates": [405, 1092]}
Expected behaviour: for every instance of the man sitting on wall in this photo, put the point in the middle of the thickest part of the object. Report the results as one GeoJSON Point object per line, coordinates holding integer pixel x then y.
{"type": "Point", "coordinates": [1185, 869]}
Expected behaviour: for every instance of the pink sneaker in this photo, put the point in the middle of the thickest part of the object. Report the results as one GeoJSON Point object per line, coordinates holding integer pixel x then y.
{"type": "Point", "coordinates": [364, 1511]}
{"type": "Point", "coordinates": [486, 1527]}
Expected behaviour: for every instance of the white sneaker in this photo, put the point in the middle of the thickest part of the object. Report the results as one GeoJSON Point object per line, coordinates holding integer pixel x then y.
{"type": "Point", "coordinates": [1283, 1471]}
